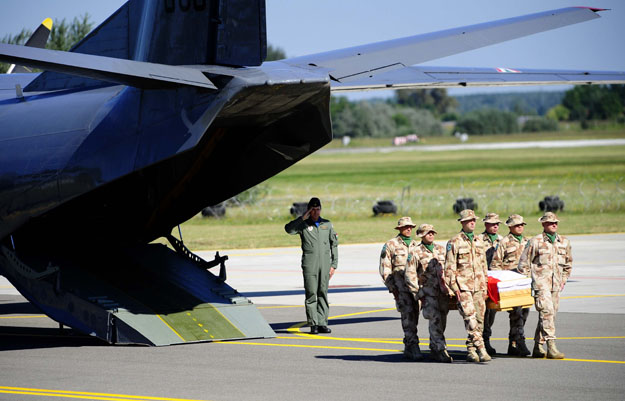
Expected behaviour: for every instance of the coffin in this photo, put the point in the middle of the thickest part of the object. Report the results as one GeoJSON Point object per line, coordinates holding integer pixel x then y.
{"type": "Point", "coordinates": [508, 289]}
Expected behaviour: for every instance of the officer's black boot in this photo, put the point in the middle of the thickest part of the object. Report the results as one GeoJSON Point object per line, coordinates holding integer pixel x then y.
{"type": "Point", "coordinates": [523, 350]}
{"type": "Point", "coordinates": [513, 348]}
{"type": "Point", "coordinates": [314, 330]}
{"type": "Point", "coordinates": [491, 351]}
{"type": "Point", "coordinates": [324, 329]}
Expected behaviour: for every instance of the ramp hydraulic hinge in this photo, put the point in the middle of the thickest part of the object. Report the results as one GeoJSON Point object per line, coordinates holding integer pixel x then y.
{"type": "Point", "coordinates": [184, 251]}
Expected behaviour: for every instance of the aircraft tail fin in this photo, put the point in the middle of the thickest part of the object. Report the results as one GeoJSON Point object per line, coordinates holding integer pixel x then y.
{"type": "Point", "coordinates": [225, 32]}
{"type": "Point", "coordinates": [39, 38]}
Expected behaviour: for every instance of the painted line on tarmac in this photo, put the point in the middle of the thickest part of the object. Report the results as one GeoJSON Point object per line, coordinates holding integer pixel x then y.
{"type": "Point", "coordinates": [308, 336]}
{"type": "Point", "coordinates": [295, 328]}
{"type": "Point", "coordinates": [361, 313]}
{"type": "Point", "coordinates": [82, 395]}
{"type": "Point", "coordinates": [592, 361]}
{"type": "Point", "coordinates": [23, 317]}
{"type": "Point", "coordinates": [310, 346]}
{"type": "Point", "coordinates": [389, 350]}
{"type": "Point", "coordinates": [279, 306]}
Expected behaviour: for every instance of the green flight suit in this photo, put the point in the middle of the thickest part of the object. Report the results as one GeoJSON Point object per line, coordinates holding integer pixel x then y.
{"type": "Point", "coordinates": [319, 254]}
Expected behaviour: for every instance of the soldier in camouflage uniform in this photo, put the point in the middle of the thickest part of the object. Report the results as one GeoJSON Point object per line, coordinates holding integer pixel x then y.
{"type": "Point", "coordinates": [425, 281]}
{"type": "Point", "coordinates": [491, 240]}
{"type": "Point", "coordinates": [465, 275]}
{"type": "Point", "coordinates": [319, 261]}
{"type": "Point", "coordinates": [547, 257]}
{"type": "Point", "coordinates": [507, 257]}
{"type": "Point", "coordinates": [398, 255]}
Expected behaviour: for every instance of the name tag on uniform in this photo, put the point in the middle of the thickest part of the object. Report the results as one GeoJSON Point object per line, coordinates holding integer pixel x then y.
{"type": "Point", "coordinates": [323, 227]}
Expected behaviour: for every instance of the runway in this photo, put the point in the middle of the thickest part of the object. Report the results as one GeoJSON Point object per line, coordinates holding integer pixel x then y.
{"type": "Point", "coordinates": [360, 360]}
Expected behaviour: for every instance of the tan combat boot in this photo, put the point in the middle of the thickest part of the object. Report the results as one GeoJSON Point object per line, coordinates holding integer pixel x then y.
{"type": "Point", "coordinates": [538, 352]}
{"type": "Point", "coordinates": [472, 355]}
{"type": "Point", "coordinates": [552, 351]}
{"type": "Point", "coordinates": [483, 354]}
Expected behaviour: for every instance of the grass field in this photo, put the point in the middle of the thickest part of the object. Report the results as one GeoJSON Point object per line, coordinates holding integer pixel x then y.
{"type": "Point", "coordinates": [591, 181]}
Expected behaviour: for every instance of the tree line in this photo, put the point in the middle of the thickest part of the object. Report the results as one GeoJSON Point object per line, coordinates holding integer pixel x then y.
{"type": "Point", "coordinates": [424, 111]}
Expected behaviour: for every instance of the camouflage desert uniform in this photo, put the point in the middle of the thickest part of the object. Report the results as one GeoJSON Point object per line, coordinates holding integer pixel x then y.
{"type": "Point", "coordinates": [425, 281]}
{"type": "Point", "coordinates": [507, 257]}
{"type": "Point", "coordinates": [550, 267]}
{"type": "Point", "coordinates": [465, 275]}
{"type": "Point", "coordinates": [491, 249]}
{"type": "Point", "coordinates": [395, 259]}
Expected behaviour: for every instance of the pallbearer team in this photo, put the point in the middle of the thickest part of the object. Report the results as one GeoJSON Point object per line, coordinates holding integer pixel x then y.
{"type": "Point", "coordinates": [428, 277]}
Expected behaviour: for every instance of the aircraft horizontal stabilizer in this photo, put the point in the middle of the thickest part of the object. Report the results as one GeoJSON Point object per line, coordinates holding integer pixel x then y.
{"type": "Point", "coordinates": [120, 71]}
{"type": "Point", "coordinates": [445, 77]}
{"type": "Point", "coordinates": [364, 61]}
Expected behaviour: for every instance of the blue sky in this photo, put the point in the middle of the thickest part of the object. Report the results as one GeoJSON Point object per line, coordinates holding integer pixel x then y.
{"type": "Point", "coordinates": [302, 27]}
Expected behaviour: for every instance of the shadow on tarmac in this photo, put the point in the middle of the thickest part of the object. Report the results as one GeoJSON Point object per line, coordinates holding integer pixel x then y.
{"type": "Point", "coordinates": [283, 326]}
{"type": "Point", "coordinates": [22, 338]}
{"type": "Point", "coordinates": [20, 308]}
{"type": "Point", "coordinates": [459, 357]}
{"type": "Point", "coordinates": [301, 292]}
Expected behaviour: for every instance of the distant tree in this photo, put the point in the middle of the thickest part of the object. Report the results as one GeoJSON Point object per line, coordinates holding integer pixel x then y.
{"type": "Point", "coordinates": [275, 53]}
{"type": "Point", "coordinates": [558, 113]}
{"type": "Point", "coordinates": [374, 119]}
{"type": "Point", "coordinates": [63, 36]}
{"type": "Point", "coordinates": [526, 103]}
{"type": "Point", "coordinates": [343, 120]}
{"type": "Point", "coordinates": [593, 102]}
{"type": "Point", "coordinates": [436, 100]}
{"type": "Point", "coordinates": [488, 121]}
{"type": "Point", "coordinates": [380, 119]}
{"type": "Point", "coordinates": [422, 123]}
{"type": "Point", "coordinates": [540, 124]}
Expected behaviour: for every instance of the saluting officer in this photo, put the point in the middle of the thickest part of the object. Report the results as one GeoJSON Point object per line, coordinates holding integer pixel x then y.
{"type": "Point", "coordinates": [465, 275]}
{"type": "Point", "coordinates": [427, 284]}
{"type": "Point", "coordinates": [398, 256]}
{"type": "Point", "coordinates": [319, 261]}
{"type": "Point", "coordinates": [507, 257]}
{"type": "Point", "coordinates": [547, 257]}
{"type": "Point", "coordinates": [491, 240]}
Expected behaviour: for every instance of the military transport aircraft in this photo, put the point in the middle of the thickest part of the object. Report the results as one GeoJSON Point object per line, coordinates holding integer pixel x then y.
{"type": "Point", "coordinates": [167, 107]}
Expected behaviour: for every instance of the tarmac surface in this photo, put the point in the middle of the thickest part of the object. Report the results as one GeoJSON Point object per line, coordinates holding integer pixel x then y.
{"type": "Point", "coordinates": [574, 143]}
{"type": "Point", "coordinates": [360, 360]}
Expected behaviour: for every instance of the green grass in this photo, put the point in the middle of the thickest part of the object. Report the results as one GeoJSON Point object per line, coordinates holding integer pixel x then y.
{"type": "Point", "coordinates": [591, 181]}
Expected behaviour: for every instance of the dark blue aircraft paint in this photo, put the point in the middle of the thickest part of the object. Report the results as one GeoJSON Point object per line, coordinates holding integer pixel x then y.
{"type": "Point", "coordinates": [94, 168]}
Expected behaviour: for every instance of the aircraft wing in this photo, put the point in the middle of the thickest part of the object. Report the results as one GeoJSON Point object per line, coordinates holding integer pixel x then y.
{"type": "Point", "coordinates": [120, 71]}
{"type": "Point", "coordinates": [369, 60]}
{"type": "Point", "coordinates": [419, 77]}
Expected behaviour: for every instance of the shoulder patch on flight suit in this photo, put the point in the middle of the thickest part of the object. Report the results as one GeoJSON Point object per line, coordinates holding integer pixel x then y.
{"type": "Point", "coordinates": [448, 246]}
{"type": "Point", "coordinates": [383, 254]}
